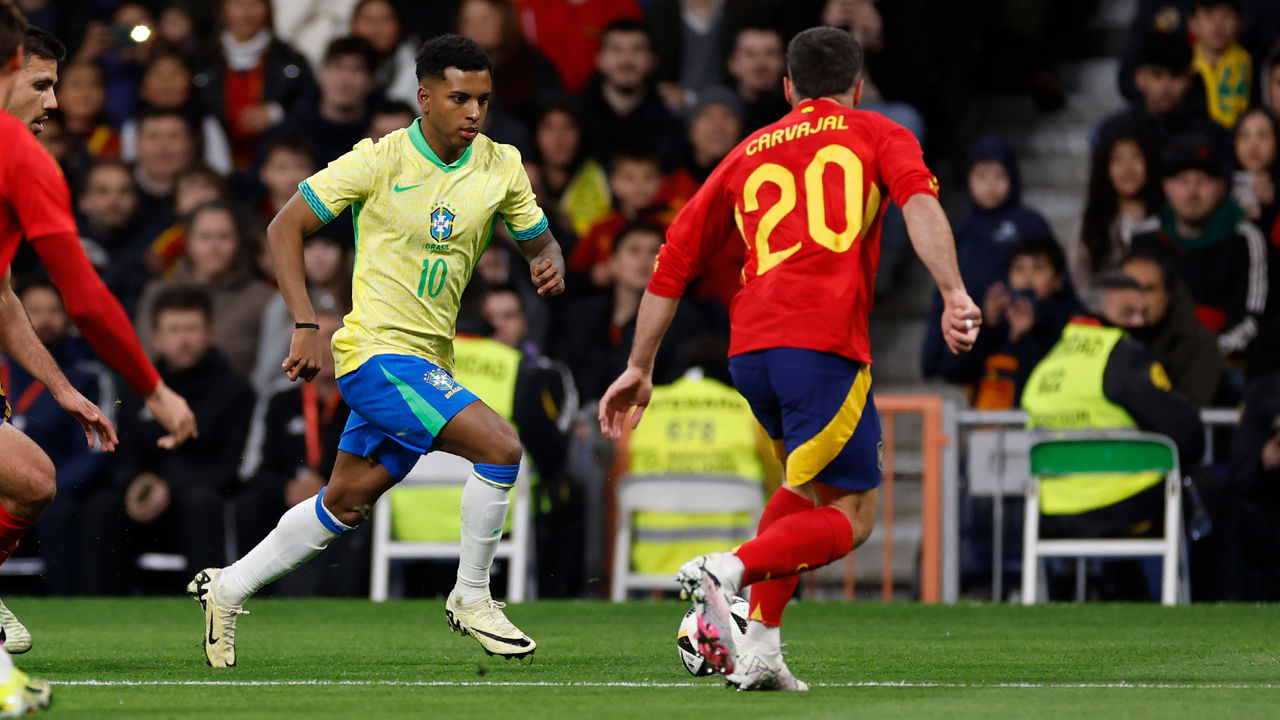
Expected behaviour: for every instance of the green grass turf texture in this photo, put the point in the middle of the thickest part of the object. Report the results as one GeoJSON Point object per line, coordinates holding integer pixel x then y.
{"type": "Point", "coordinates": [1216, 661]}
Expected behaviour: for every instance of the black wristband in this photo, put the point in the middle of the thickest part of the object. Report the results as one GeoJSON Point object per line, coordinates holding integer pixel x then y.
{"type": "Point", "coordinates": [306, 326]}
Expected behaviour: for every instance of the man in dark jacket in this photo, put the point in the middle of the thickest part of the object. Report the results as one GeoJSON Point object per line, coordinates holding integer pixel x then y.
{"type": "Point", "coordinates": [172, 500]}
{"type": "Point", "coordinates": [1255, 481]}
{"type": "Point", "coordinates": [1188, 351]}
{"type": "Point", "coordinates": [1219, 255]}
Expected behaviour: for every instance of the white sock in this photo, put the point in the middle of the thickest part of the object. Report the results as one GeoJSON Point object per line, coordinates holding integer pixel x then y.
{"type": "Point", "coordinates": [6, 665]}
{"type": "Point", "coordinates": [299, 536]}
{"type": "Point", "coordinates": [484, 512]}
{"type": "Point", "coordinates": [768, 640]}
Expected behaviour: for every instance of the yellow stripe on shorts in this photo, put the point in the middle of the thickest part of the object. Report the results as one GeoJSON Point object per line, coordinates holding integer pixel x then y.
{"type": "Point", "coordinates": [806, 461]}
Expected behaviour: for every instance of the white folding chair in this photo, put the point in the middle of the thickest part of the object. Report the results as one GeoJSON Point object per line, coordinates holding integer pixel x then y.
{"type": "Point", "coordinates": [441, 470]}
{"type": "Point", "coordinates": [673, 494]}
{"type": "Point", "coordinates": [1105, 451]}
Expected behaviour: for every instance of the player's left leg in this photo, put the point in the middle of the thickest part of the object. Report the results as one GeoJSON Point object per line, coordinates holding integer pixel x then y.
{"type": "Point", "coordinates": [20, 694]}
{"type": "Point", "coordinates": [480, 435]}
{"type": "Point", "coordinates": [27, 486]}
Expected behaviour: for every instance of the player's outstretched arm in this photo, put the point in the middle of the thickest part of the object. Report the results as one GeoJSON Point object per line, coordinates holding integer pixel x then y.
{"type": "Point", "coordinates": [634, 386]}
{"type": "Point", "coordinates": [546, 263]}
{"type": "Point", "coordinates": [19, 339]}
{"type": "Point", "coordinates": [295, 221]}
{"type": "Point", "coordinates": [931, 236]}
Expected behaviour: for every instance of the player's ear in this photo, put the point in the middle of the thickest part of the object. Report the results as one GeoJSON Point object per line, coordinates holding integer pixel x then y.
{"type": "Point", "coordinates": [787, 90]}
{"type": "Point", "coordinates": [857, 93]}
{"type": "Point", "coordinates": [15, 62]}
{"type": "Point", "coordinates": [424, 98]}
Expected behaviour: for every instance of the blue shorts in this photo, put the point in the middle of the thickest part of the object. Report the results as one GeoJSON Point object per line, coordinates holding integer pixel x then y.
{"type": "Point", "coordinates": [821, 406]}
{"type": "Point", "coordinates": [399, 404]}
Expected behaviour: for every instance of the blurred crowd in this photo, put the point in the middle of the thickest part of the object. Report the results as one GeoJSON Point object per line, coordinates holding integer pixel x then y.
{"type": "Point", "coordinates": [182, 127]}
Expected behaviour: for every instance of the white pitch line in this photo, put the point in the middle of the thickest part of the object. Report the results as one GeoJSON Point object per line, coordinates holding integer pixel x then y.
{"type": "Point", "coordinates": [620, 684]}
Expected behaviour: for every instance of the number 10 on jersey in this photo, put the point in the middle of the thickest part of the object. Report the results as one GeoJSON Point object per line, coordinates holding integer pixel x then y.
{"type": "Point", "coordinates": [431, 282]}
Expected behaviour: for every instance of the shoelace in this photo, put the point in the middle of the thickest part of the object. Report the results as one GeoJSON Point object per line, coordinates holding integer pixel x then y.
{"type": "Point", "coordinates": [229, 624]}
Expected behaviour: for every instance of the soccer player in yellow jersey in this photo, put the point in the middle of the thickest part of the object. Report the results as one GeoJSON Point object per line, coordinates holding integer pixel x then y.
{"type": "Point", "coordinates": [425, 201]}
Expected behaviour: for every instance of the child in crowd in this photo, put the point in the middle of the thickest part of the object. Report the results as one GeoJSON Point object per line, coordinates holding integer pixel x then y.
{"type": "Point", "coordinates": [635, 180]}
{"type": "Point", "coordinates": [1223, 64]}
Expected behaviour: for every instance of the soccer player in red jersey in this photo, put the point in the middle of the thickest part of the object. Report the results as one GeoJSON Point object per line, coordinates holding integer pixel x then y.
{"type": "Point", "coordinates": [806, 195]}
{"type": "Point", "coordinates": [35, 204]}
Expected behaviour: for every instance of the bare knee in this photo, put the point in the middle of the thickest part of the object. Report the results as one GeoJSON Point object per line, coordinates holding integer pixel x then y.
{"type": "Point", "coordinates": [861, 529]}
{"type": "Point", "coordinates": [36, 491]}
{"type": "Point", "coordinates": [505, 448]}
{"type": "Point", "coordinates": [349, 507]}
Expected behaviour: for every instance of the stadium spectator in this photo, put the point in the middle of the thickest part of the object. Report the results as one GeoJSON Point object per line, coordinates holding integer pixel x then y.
{"type": "Point", "coordinates": [335, 121]}
{"type": "Point", "coordinates": [78, 468]}
{"type": "Point", "coordinates": [863, 21]}
{"type": "Point", "coordinates": [166, 145]}
{"type": "Point", "coordinates": [294, 443]}
{"type": "Point", "coordinates": [569, 179]}
{"type": "Point", "coordinates": [1253, 184]}
{"type": "Point", "coordinates": [121, 54]}
{"type": "Point", "coordinates": [1269, 81]}
{"type": "Point", "coordinates": [1223, 64]}
{"type": "Point", "coordinates": [1171, 100]}
{"type": "Point", "coordinates": [1022, 317]}
{"type": "Point", "coordinates": [570, 33]}
{"type": "Point", "coordinates": [219, 260]}
{"type": "Point", "coordinates": [390, 116]}
{"type": "Point", "coordinates": [523, 78]}
{"type": "Point", "coordinates": [693, 40]}
{"type": "Point", "coordinates": [166, 83]}
{"type": "Point", "coordinates": [494, 271]}
{"type": "Point", "coordinates": [595, 333]}
{"type": "Point", "coordinates": [379, 23]}
{"type": "Point", "coordinates": [715, 127]}
{"type": "Point", "coordinates": [503, 309]}
{"type": "Point", "coordinates": [1255, 480]}
{"type": "Point", "coordinates": [82, 97]}
{"type": "Point", "coordinates": [327, 262]}
{"type": "Point", "coordinates": [252, 76]}
{"type": "Point", "coordinates": [635, 179]}
{"type": "Point", "coordinates": [169, 500]}
{"type": "Point", "coordinates": [757, 65]}
{"type": "Point", "coordinates": [176, 27]}
{"type": "Point", "coordinates": [1096, 377]}
{"type": "Point", "coordinates": [1220, 255]}
{"type": "Point", "coordinates": [1123, 196]}
{"type": "Point", "coordinates": [309, 26]}
{"type": "Point", "coordinates": [286, 161]}
{"type": "Point", "coordinates": [985, 237]}
{"type": "Point", "coordinates": [621, 106]}
{"type": "Point", "coordinates": [1186, 349]}
{"type": "Point", "coordinates": [197, 184]}
{"type": "Point", "coordinates": [107, 214]}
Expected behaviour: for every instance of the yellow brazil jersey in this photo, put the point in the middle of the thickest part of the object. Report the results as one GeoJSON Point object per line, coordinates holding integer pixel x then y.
{"type": "Point", "coordinates": [1226, 84]}
{"type": "Point", "coordinates": [420, 227]}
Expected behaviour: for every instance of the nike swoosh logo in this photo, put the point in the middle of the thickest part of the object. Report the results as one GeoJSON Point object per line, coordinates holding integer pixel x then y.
{"type": "Point", "coordinates": [212, 640]}
{"type": "Point", "coordinates": [518, 642]}
{"type": "Point", "coordinates": [400, 189]}
{"type": "Point", "coordinates": [3, 636]}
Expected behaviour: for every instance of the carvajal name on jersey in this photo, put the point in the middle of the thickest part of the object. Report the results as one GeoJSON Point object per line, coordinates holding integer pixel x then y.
{"type": "Point", "coordinates": [804, 128]}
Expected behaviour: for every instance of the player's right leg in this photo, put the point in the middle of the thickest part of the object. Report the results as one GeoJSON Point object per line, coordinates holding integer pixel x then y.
{"type": "Point", "coordinates": [27, 486]}
{"type": "Point", "coordinates": [20, 694]}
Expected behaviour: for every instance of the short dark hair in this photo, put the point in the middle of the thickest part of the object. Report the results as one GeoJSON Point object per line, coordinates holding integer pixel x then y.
{"type": "Point", "coordinates": [1158, 256]}
{"type": "Point", "coordinates": [1169, 51]}
{"type": "Point", "coordinates": [504, 289]}
{"type": "Point", "coordinates": [43, 44]}
{"type": "Point", "coordinates": [107, 163]}
{"type": "Point", "coordinates": [1044, 246]}
{"type": "Point", "coordinates": [446, 51]}
{"type": "Point", "coordinates": [352, 45]}
{"type": "Point", "coordinates": [636, 228]}
{"type": "Point", "coordinates": [635, 154]}
{"type": "Point", "coordinates": [626, 25]}
{"type": "Point", "coordinates": [200, 169]}
{"type": "Point", "coordinates": [823, 61]}
{"type": "Point", "coordinates": [287, 142]}
{"type": "Point", "coordinates": [1236, 5]}
{"type": "Point", "coordinates": [13, 29]}
{"type": "Point", "coordinates": [181, 298]}
{"type": "Point", "coordinates": [36, 282]}
{"type": "Point", "coordinates": [152, 112]}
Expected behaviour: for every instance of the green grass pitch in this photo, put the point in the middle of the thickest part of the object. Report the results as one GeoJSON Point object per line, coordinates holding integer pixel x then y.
{"type": "Point", "coordinates": [140, 658]}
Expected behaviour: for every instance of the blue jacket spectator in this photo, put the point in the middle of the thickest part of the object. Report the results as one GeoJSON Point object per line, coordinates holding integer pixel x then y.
{"type": "Point", "coordinates": [986, 237]}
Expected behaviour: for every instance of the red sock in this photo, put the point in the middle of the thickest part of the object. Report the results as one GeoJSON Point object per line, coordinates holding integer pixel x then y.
{"type": "Point", "coordinates": [11, 531]}
{"type": "Point", "coordinates": [799, 541]}
{"type": "Point", "coordinates": [769, 597]}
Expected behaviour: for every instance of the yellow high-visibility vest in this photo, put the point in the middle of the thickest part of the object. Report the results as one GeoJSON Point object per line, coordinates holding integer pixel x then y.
{"type": "Point", "coordinates": [694, 425]}
{"type": "Point", "coordinates": [1064, 392]}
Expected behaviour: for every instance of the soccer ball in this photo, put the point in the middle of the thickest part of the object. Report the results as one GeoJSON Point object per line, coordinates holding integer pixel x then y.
{"type": "Point", "coordinates": [693, 662]}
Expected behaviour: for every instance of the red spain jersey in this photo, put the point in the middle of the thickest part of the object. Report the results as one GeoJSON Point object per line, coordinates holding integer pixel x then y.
{"type": "Point", "coordinates": [33, 194]}
{"type": "Point", "coordinates": [805, 195]}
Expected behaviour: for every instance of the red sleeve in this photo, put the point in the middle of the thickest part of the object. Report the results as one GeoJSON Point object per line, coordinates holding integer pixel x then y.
{"type": "Point", "coordinates": [696, 234]}
{"type": "Point", "coordinates": [902, 163]}
{"type": "Point", "coordinates": [39, 193]}
{"type": "Point", "coordinates": [95, 310]}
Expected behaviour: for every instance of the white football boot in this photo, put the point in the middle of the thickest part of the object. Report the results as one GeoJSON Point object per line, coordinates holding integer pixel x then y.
{"type": "Point", "coordinates": [13, 634]}
{"type": "Point", "coordinates": [711, 582]}
{"type": "Point", "coordinates": [23, 695]}
{"type": "Point", "coordinates": [759, 668]}
{"type": "Point", "coordinates": [220, 620]}
{"type": "Point", "coordinates": [484, 620]}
